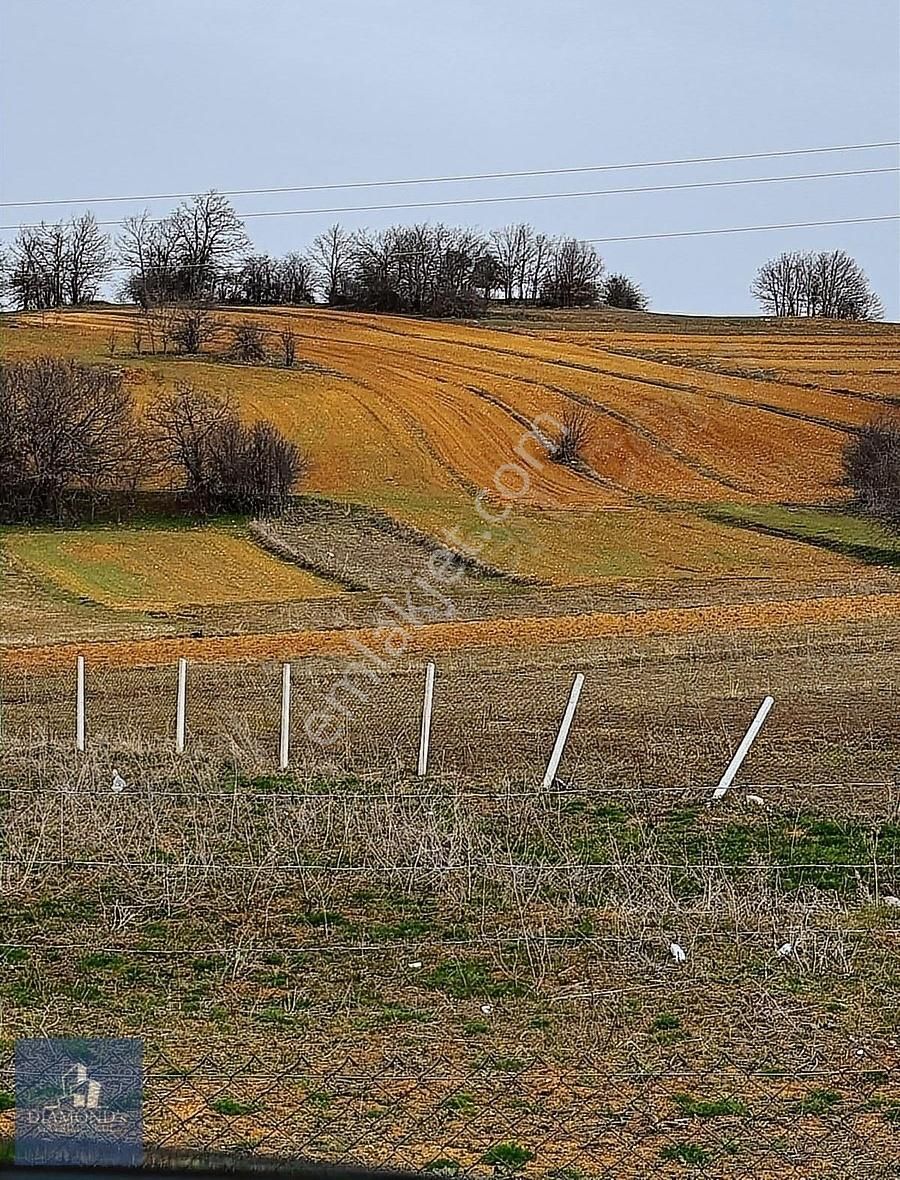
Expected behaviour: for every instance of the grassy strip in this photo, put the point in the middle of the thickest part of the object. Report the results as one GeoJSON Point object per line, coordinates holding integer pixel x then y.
{"type": "Point", "coordinates": [838, 531]}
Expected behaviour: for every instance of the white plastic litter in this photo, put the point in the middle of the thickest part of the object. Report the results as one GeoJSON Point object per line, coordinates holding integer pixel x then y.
{"type": "Point", "coordinates": [677, 952]}
{"type": "Point", "coordinates": [118, 783]}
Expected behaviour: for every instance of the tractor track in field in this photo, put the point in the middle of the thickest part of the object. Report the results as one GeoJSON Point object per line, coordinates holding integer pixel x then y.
{"type": "Point", "coordinates": [596, 370]}
{"type": "Point", "coordinates": [420, 436]}
{"type": "Point", "coordinates": [679, 456]}
{"type": "Point", "coordinates": [584, 469]}
{"type": "Point", "coordinates": [775, 379]}
{"type": "Point", "coordinates": [695, 465]}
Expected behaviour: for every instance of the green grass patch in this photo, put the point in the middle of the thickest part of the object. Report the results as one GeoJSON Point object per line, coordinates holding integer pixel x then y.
{"type": "Point", "coordinates": [818, 1102]}
{"type": "Point", "coordinates": [231, 1107]}
{"type": "Point", "coordinates": [692, 1155]}
{"type": "Point", "coordinates": [709, 1108]}
{"type": "Point", "coordinates": [465, 979]}
{"type": "Point", "coordinates": [837, 530]}
{"type": "Point", "coordinates": [507, 1158]}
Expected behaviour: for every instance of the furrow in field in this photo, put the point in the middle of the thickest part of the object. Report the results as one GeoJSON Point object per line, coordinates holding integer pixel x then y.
{"type": "Point", "coordinates": [744, 441]}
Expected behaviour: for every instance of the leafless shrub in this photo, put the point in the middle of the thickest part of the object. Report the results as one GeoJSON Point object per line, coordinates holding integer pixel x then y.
{"type": "Point", "coordinates": [288, 339]}
{"type": "Point", "coordinates": [192, 327]}
{"type": "Point", "coordinates": [65, 429]}
{"type": "Point", "coordinates": [871, 468]}
{"type": "Point", "coordinates": [226, 464]}
{"type": "Point", "coordinates": [574, 434]}
{"type": "Point", "coordinates": [248, 343]}
{"type": "Point", "coordinates": [621, 291]}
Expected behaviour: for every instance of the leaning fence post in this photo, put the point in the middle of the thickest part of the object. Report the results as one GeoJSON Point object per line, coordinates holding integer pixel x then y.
{"type": "Point", "coordinates": [425, 732]}
{"type": "Point", "coordinates": [181, 706]}
{"type": "Point", "coordinates": [284, 744]}
{"type": "Point", "coordinates": [744, 748]}
{"type": "Point", "coordinates": [79, 704]}
{"type": "Point", "coordinates": [560, 744]}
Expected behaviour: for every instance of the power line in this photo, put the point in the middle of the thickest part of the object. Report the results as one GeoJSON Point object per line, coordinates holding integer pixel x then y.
{"type": "Point", "coordinates": [475, 176]}
{"type": "Point", "coordinates": [747, 229]}
{"type": "Point", "coordinates": [609, 192]}
{"type": "Point", "coordinates": [688, 233]}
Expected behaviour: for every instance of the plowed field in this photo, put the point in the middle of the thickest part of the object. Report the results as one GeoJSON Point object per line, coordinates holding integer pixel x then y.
{"type": "Point", "coordinates": [704, 436]}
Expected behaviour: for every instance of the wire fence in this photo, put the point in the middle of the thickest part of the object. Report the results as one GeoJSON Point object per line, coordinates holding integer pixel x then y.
{"type": "Point", "coordinates": [498, 1117]}
{"type": "Point", "coordinates": [658, 723]}
{"type": "Point", "coordinates": [464, 972]}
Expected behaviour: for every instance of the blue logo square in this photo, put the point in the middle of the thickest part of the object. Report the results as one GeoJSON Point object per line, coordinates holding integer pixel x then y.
{"type": "Point", "coordinates": [79, 1101]}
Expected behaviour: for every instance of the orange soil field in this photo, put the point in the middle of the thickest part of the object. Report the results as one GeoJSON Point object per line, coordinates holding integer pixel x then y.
{"type": "Point", "coordinates": [438, 637]}
{"type": "Point", "coordinates": [452, 393]}
{"type": "Point", "coordinates": [414, 417]}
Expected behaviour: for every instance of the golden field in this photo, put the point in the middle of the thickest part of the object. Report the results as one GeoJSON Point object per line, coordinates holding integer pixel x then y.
{"type": "Point", "coordinates": [714, 454]}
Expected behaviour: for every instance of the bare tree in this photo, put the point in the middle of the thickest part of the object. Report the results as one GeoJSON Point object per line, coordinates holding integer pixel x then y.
{"type": "Point", "coordinates": [573, 436]}
{"type": "Point", "coordinates": [59, 264]}
{"type": "Point", "coordinates": [871, 466]}
{"type": "Point", "coordinates": [621, 291]}
{"type": "Point", "coordinates": [332, 259]}
{"type": "Point", "coordinates": [38, 270]}
{"type": "Point", "coordinates": [264, 280]}
{"type": "Point", "coordinates": [209, 237]}
{"type": "Point", "coordinates": [541, 253]}
{"type": "Point", "coordinates": [573, 275]}
{"type": "Point", "coordinates": [514, 247]}
{"type": "Point", "coordinates": [830, 284]}
{"type": "Point", "coordinates": [183, 424]}
{"type": "Point", "coordinates": [89, 259]}
{"type": "Point", "coordinates": [149, 248]}
{"type": "Point", "coordinates": [288, 339]}
{"type": "Point", "coordinates": [70, 428]}
{"type": "Point", "coordinates": [297, 279]}
{"type": "Point", "coordinates": [184, 256]}
{"type": "Point", "coordinates": [226, 465]}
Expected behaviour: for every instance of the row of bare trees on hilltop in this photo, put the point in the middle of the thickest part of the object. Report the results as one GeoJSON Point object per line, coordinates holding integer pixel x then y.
{"type": "Point", "coordinates": [201, 252]}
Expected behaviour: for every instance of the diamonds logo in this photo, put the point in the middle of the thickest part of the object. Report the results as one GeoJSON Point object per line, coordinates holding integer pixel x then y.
{"type": "Point", "coordinates": [78, 1101]}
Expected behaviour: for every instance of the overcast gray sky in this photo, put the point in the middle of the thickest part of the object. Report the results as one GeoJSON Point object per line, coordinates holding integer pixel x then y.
{"type": "Point", "coordinates": [144, 96]}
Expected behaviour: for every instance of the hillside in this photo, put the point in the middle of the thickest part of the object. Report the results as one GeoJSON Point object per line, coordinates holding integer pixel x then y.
{"type": "Point", "coordinates": [714, 453]}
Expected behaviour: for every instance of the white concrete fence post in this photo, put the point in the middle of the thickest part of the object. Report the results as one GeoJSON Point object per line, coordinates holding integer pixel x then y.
{"type": "Point", "coordinates": [560, 744]}
{"type": "Point", "coordinates": [744, 748]}
{"type": "Point", "coordinates": [181, 706]}
{"type": "Point", "coordinates": [284, 743]}
{"type": "Point", "coordinates": [425, 731]}
{"type": "Point", "coordinates": [79, 704]}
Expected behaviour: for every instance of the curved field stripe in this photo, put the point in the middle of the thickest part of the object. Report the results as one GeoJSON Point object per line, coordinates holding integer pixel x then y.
{"type": "Point", "coordinates": [438, 637]}
{"type": "Point", "coordinates": [473, 439]}
{"type": "Point", "coordinates": [781, 460]}
{"type": "Point", "coordinates": [618, 457]}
